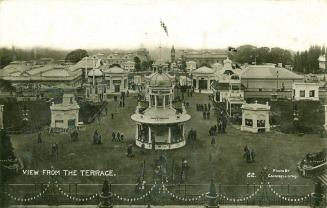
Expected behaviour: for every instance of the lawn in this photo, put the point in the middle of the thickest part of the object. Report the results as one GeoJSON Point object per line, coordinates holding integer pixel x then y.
{"type": "Point", "coordinates": [275, 150]}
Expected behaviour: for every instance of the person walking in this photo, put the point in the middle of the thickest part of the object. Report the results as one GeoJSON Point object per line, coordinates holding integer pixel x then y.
{"type": "Point", "coordinates": [113, 136]}
{"type": "Point", "coordinates": [39, 138]}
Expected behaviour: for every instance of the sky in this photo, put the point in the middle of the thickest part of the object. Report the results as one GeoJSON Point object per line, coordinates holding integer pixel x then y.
{"type": "Point", "coordinates": [129, 24]}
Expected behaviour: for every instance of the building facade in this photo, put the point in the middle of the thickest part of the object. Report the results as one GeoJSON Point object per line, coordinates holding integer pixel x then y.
{"type": "Point", "coordinates": [305, 91]}
{"type": "Point", "coordinates": [207, 57]}
{"type": "Point", "coordinates": [116, 79]}
{"type": "Point", "coordinates": [64, 116]}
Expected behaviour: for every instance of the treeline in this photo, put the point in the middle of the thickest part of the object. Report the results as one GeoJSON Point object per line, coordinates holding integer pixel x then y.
{"type": "Point", "coordinates": [8, 55]}
{"type": "Point", "coordinates": [251, 54]}
{"type": "Point", "coordinates": [307, 61]}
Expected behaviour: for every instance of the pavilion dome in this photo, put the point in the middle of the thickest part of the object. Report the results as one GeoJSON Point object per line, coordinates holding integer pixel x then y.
{"type": "Point", "coordinates": [114, 70]}
{"type": "Point", "coordinates": [227, 62]}
{"type": "Point", "coordinates": [95, 72]}
{"type": "Point", "coordinates": [203, 70]}
{"type": "Point", "coordinates": [160, 79]}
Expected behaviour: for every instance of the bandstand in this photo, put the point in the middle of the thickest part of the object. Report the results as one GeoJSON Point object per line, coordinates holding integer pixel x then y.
{"type": "Point", "coordinates": [160, 125]}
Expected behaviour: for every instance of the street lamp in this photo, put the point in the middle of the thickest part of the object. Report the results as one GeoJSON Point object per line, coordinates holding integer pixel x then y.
{"type": "Point", "coordinates": [277, 74]}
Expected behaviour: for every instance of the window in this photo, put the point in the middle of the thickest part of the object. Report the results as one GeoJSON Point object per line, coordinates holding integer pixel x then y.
{"type": "Point", "coordinates": [311, 93]}
{"type": "Point", "coordinates": [302, 93]}
{"type": "Point", "coordinates": [248, 122]}
{"type": "Point", "coordinates": [261, 123]}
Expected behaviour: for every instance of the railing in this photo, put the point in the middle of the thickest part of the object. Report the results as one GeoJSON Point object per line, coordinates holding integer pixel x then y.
{"type": "Point", "coordinates": [159, 194]}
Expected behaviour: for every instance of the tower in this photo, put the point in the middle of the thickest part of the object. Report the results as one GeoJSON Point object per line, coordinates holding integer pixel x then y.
{"type": "Point", "coordinates": [172, 54]}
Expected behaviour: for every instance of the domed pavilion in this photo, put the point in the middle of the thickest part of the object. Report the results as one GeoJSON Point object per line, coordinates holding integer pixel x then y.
{"type": "Point", "coordinates": [160, 125]}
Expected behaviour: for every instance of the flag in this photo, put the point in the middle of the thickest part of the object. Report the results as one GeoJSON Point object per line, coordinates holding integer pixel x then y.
{"type": "Point", "coordinates": [232, 49]}
{"type": "Point", "coordinates": [163, 25]}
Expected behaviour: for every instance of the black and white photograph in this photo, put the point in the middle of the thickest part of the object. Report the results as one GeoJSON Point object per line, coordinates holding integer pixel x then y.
{"type": "Point", "coordinates": [163, 103]}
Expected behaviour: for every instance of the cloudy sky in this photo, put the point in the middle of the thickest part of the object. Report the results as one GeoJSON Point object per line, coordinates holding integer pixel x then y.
{"type": "Point", "coordinates": [126, 24]}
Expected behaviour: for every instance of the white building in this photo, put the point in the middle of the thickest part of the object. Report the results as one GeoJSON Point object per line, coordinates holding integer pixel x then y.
{"type": "Point", "coordinates": [305, 91]}
{"type": "Point", "coordinates": [255, 117]}
{"type": "Point", "coordinates": [129, 66]}
{"type": "Point", "coordinates": [203, 77]}
{"type": "Point", "coordinates": [64, 116]}
{"type": "Point", "coordinates": [160, 126]}
{"type": "Point", "coordinates": [116, 79]}
{"type": "Point", "coordinates": [95, 88]}
{"type": "Point", "coordinates": [190, 66]}
{"type": "Point", "coordinates": [322, 62]}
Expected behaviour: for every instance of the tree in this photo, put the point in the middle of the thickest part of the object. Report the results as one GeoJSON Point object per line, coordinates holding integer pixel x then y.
{"type": "Point", "coordinates": [137, 63]}
{"type": "Point", "coordinates": [244, 54]}
{"type": "Point", "coordinates": [5, 57]}
{"type": "Point", "coordinates": [76, 55]}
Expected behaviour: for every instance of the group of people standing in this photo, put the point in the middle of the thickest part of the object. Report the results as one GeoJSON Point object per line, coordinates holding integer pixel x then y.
{"type": "Point", "coordinates": [205, 108]}
{"type": "Point", "coordinates": [97, 138]}
{"type": "Point", "coordinates": [117, 137]}
{"type": "Point", "coordinates": [249, 155]}
{"type": "Point", "coordinates": [221, 122]}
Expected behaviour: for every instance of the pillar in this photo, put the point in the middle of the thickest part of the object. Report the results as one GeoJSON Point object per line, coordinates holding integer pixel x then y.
{"type": "Point", "coordinates": [122, 84]}
{"type": "Point", "coordinates": [155, 101]}
{"type": "Point", "coordinates": [208, 84]}
{"type": "Point", "coordinates": [111, 87]}
{"type": "Point", "coordinates": [183, 131]}
{"type": "Point", "coordinates": [197, 84]}
{"type": "Point", "coordinates": [243, 119]}
{"type": "Point", "coordinates": [137, 131]}
{"type": "Point", "coordinates": [149, 139]}
{"type": "Point", "coordinates": [254, 121]}
{"type": "Point", "coordinates": [212, 196]}
{"type": "Point", "coordinates": [106, 196]}
{"type": "Point", "coordinates": [164, 101]}
{"type": "Point", "coordinates": [170, 101]}
{"type": "Point", "coordinates": [169, 135]}
{"type": "Point", "coordinates": [267, 124]}
{"type": "Point", "coordinates": [325, 117]}
{"type": "Point", "coordinates": [1, 116]}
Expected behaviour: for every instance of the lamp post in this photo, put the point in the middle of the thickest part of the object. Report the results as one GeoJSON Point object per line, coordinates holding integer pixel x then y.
{"type": "Point", "coordinates": [277, 75]}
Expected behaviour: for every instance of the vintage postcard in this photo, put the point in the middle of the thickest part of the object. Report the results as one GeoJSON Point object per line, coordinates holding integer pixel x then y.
{"type": "Point", "coordinates": [153, 103]}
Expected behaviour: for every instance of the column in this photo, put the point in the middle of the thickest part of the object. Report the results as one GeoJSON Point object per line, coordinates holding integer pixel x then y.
{"type": "Point", "coordinates": [183, 131]}
{"type": "Point", "coordinates": [164, 101]}
{"type": "Point", "coordinates": [137, 131]}
{"type": "Point", "coordinates": [208, 84]}
{"type": "Point", "coordinates": [170, 101]}
{"type": "Point", "coordinates": [122, 84]}
{"type": "Point", "coordinates": [155, 101]}
{"type": "Point", "coordinates": [243, 119]}
{"type": "Point", "coordinates": [197, 84]}
{"type": "Point", "coordinates": [267, 124]}
{"type": "Point", "coordinates": [254, 121]}
{"type": "Point", "coordinates": [111, 85]}
{"type": "Point", "coordinates": [169, 135]}
{"type": "Point", "coordinates": [149, 140]}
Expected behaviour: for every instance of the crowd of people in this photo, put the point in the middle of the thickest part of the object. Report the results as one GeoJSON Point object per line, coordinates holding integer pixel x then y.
{"type": "Point", "coordinates": [117, 137]}
{"type": "Point", "coordinates": [205, 109]}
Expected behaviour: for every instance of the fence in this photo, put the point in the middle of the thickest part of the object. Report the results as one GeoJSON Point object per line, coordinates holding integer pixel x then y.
{"type": "Point", "coordinates": [158, 194]}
